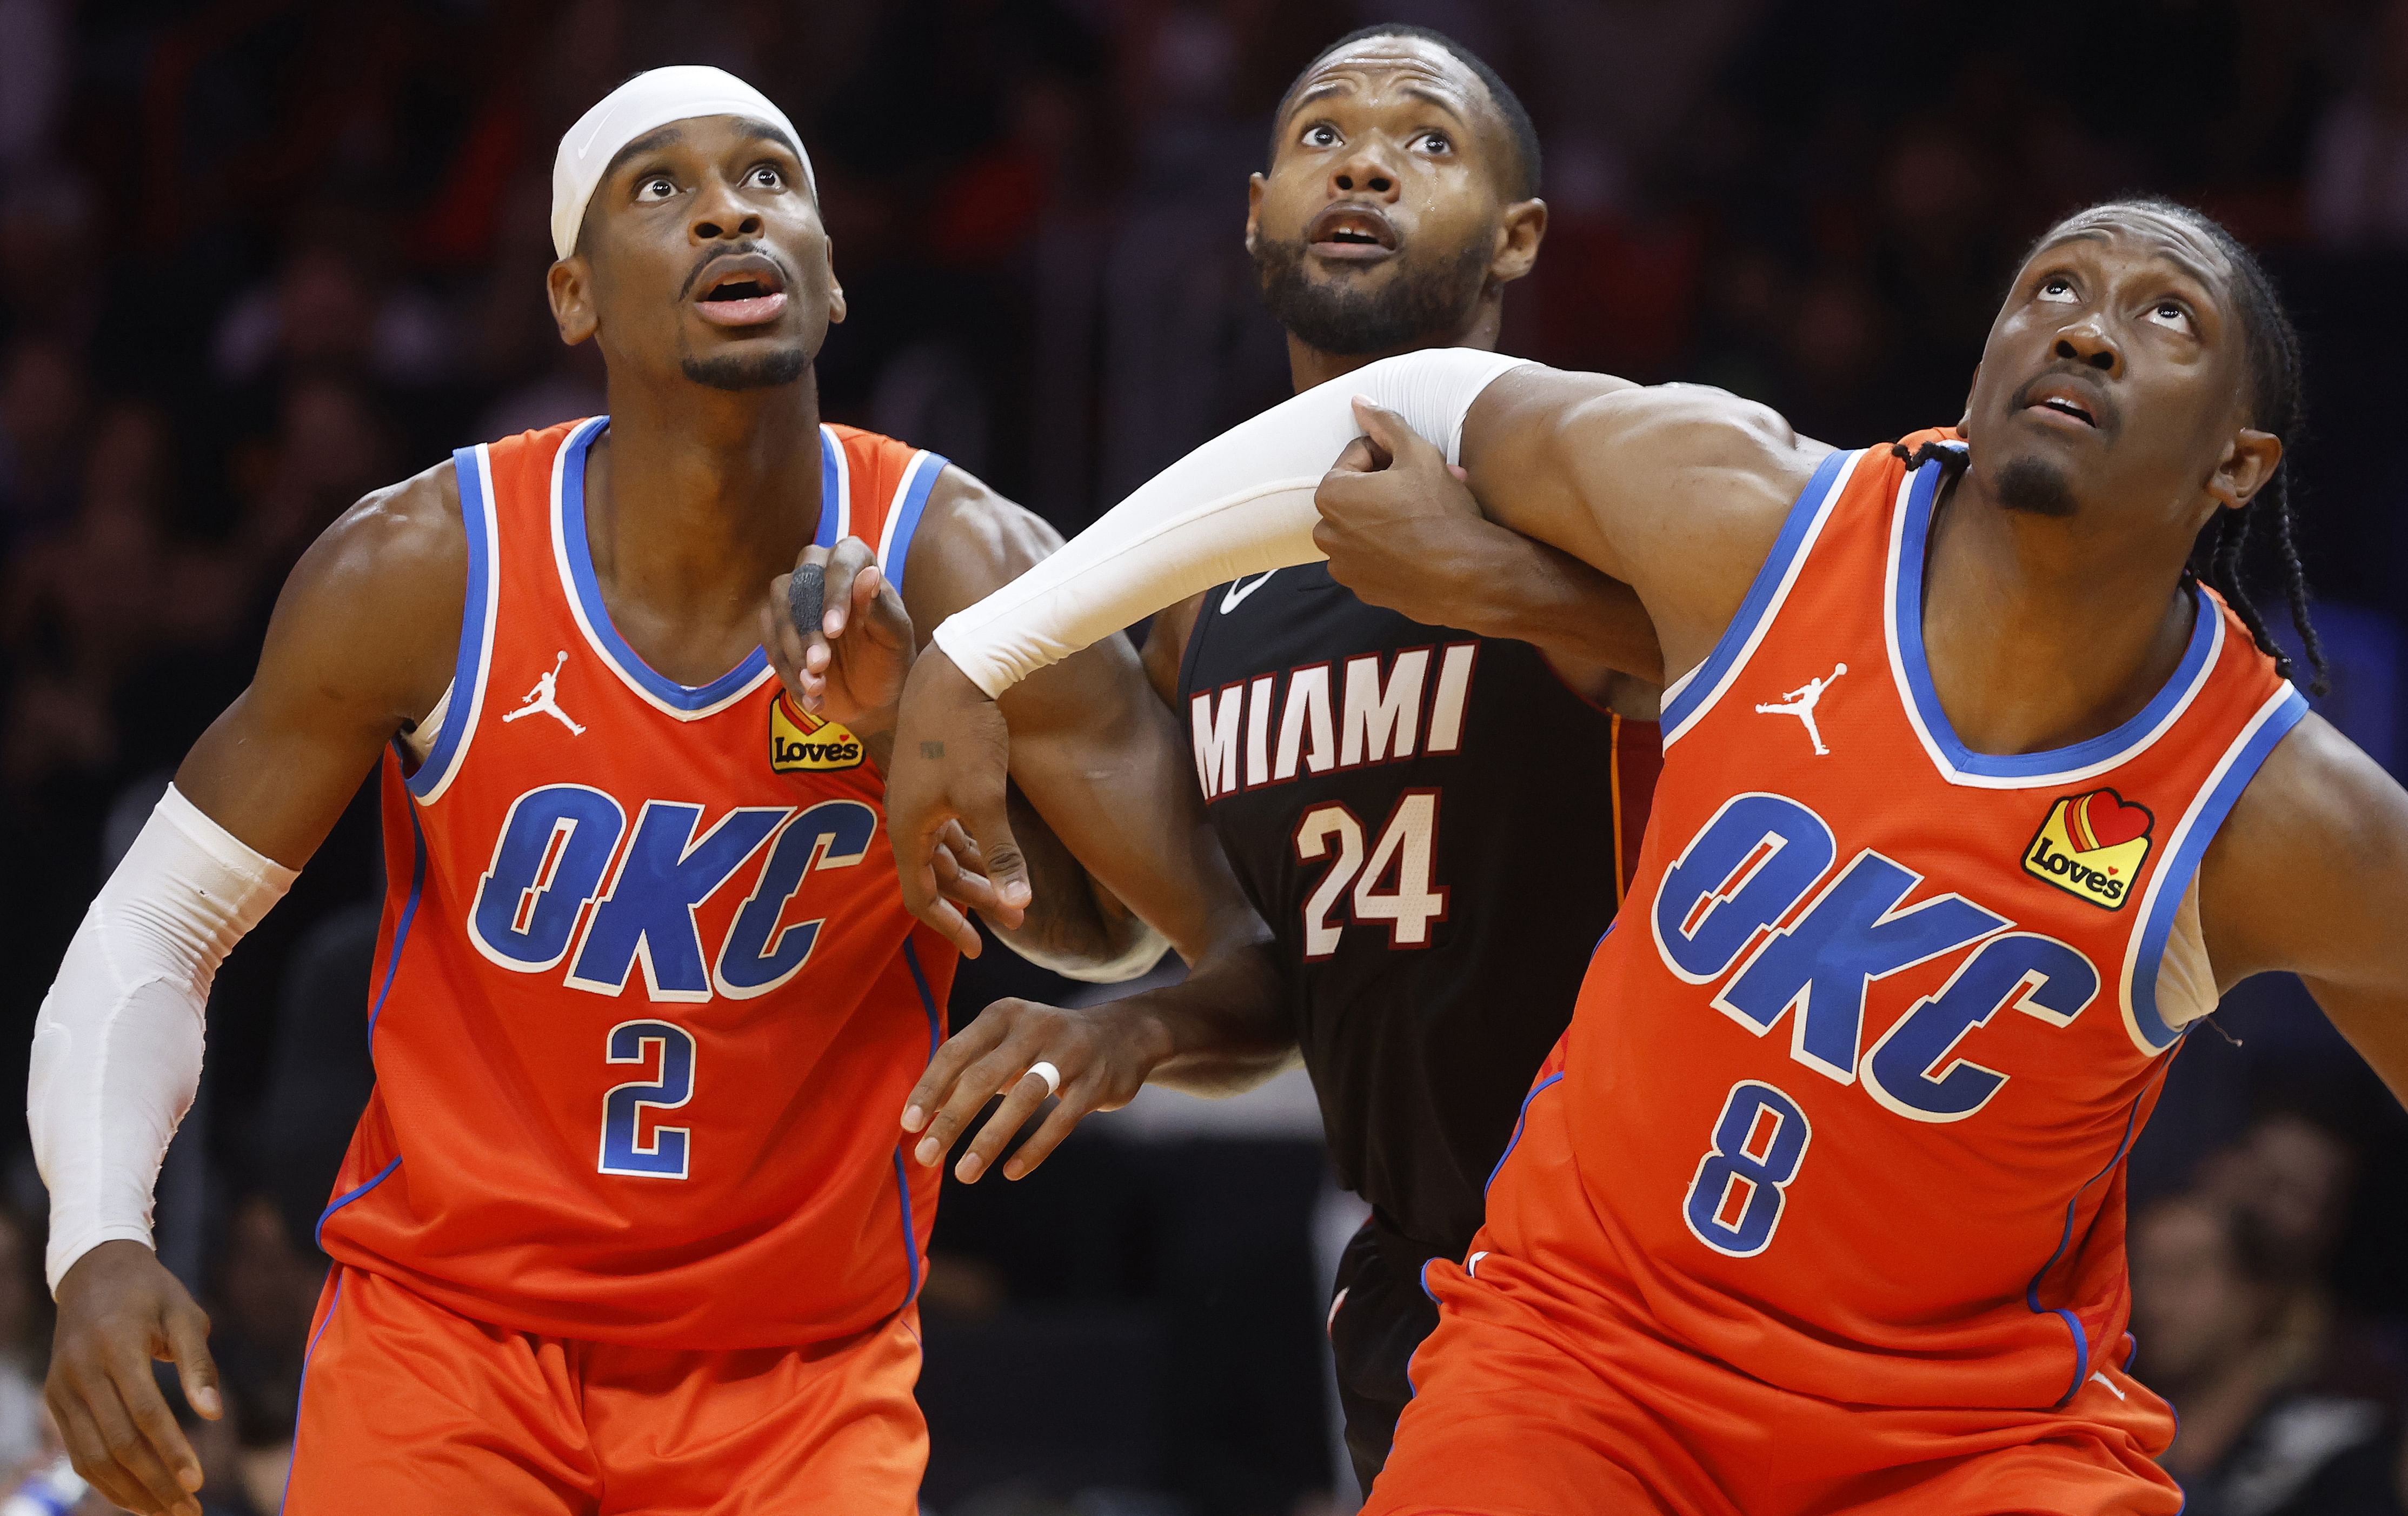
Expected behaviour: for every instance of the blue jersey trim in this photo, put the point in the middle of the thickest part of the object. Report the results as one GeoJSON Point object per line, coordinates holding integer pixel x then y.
{"type": "Point", "coordinates": [2065, 1240]}
{"type": "Point", "coordinates": [927, 997]}
{"type": "Point", "coordinates": [1690, 693]}
{"type": "Point", "coordinates": [467, 665]}
{"type": "Point", "coordinates": [1515, 1140]}
{"type": "Point", "coordinates": [2112, 745]}
{"type": "Point", "coordinates": [579, 557]}
{"type": "Point", "coordinates": [1421, 1277]}
{"type": "Point", "coordinates": [903, 516]}
{"type": "Point", "coordinates": [910, 1237]}
{"type": "Point", "coordinates": [2174, 875]}
{"type": "Point", "coordinates": [319, 1234]}
{"type": "Point", "coordinates": [301, 1387]}
{"type": "Point", "coordinates": [401, 933]}
{"type": "Point", "coordinates": [832, 490]}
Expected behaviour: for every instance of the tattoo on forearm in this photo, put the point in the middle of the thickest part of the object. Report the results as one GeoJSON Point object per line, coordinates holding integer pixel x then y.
{"type": "Point", "coordinates": [932, 749]}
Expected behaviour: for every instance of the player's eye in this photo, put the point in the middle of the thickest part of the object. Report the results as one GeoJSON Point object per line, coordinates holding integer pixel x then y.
{"type": "Point", "coordinates": [1321, 135]}
{"type": "Point", "coordinates": [1435, 143]}
{"type": "Point", "coordinates": [2057, 288]}
{"type": "Point", "coordinates": [765, 177]}
{"type": "Point", "coordinates": [657, 188]}
{"type": "Point", "coordinates": [2171, 314]}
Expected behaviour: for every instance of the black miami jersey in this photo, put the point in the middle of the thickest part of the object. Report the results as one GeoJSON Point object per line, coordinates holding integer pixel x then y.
{"type": "Point", "coordinates": [1435, 827]}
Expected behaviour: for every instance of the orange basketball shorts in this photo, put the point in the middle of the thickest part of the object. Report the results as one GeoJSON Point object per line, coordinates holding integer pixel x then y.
{"type": "Point", "coordinates": [410, 1409]}
{"type": "Point", "coordinates": [1539, 1395]}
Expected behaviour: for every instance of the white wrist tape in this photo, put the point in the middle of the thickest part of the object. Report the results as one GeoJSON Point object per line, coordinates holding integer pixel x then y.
{"type": "Point", "coordinates": [117, 1049]}
{"type": "Point", "coordinates": [1241, 504]}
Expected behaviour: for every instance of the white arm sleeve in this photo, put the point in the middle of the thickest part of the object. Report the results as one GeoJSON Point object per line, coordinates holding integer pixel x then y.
{"type": "Point", "coordinates": [1241, 504]}
{"type": "Point", "coordinates": [117, 1048]}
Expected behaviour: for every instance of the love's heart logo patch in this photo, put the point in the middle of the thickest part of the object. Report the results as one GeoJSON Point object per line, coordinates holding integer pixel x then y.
{"type": "Point", "coordinates": [2092, 846]}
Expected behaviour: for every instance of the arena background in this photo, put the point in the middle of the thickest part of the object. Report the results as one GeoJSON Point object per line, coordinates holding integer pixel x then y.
{"type": "Point", "coordinates": [259, 256]}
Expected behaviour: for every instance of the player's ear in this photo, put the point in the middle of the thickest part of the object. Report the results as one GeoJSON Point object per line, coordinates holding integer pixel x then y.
{"type": "Point", "coordinates": [2249, 461]}
{"type": "Point", "coordinates": [570, 287]}
{"type": "Point", "coordinates": [1519, 231]}
{"type": "Point", "coordinates": [1253, 211]}
{"type": "Point", "coordinates": [836, 290]}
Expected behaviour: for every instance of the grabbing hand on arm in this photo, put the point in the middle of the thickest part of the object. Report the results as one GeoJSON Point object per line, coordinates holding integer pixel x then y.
{"type": "Point", "coordinates": [1241, 504]}
{"type": "Point", "coordinates": [1402, 529]}
{"type": "Point", "coordinates": [1219, 1031]}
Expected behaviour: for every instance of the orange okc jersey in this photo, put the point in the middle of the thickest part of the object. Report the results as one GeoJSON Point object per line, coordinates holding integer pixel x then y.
{"type": "Point", "coordinates": [1851, 1084]}
{"type": "Point", "coordinates": [646, 1002]}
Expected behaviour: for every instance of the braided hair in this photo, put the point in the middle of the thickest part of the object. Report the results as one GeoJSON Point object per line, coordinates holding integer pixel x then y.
{"type": "Point", "coordinates": [2277, 405]}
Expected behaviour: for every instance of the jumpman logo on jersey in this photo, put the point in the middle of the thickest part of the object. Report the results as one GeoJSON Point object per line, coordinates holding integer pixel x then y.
{"type": "Point", "coordinates": [1801, 703]}
{"type": "Point", "coordinates": [542, 698]}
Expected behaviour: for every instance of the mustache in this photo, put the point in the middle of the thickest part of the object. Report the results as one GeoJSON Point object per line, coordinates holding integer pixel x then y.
{"type": "Point", "coordinates": [737, 250]}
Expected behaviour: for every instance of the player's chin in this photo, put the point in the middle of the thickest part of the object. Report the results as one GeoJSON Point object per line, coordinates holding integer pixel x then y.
{"type": "Point", "coordinates": [764, 362]}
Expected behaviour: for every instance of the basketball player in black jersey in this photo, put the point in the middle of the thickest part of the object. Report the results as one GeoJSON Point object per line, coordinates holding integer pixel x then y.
{"type": "Point", "coordinates": [1394, 749]}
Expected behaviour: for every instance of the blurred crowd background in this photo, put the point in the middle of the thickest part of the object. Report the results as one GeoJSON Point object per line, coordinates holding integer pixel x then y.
{"type": "Point", "coordinates": [258, 257]}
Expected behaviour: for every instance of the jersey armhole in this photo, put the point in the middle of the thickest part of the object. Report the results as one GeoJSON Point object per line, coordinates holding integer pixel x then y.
{"type": "Point", "coordinates": [466, 698]}
{"type": "Point", "coordinates": [1695, 692]}
{"type": "Point", "coordinates": [903, 512]}
{"type": "Point", "coordinates": [2162, 902]}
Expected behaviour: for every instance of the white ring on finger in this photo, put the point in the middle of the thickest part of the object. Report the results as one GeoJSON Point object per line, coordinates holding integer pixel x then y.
{"type": "Point", "coordinates": [1044, 1068]}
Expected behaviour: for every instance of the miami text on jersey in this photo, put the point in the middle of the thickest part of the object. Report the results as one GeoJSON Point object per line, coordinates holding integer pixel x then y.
{"type": "Point", "coordinates": [1370, 716]}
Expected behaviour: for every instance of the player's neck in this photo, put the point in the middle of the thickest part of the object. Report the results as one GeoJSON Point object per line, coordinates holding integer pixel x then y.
{"type": "Point", "coordinates": [2039, 635]}
{"type": "Point", "coordinates": [1308, 366]}
{"type": "Point", "coordinates": [697, 495]}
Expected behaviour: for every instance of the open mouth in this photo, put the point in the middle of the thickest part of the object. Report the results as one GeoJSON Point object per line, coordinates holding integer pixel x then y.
{"type": "Point", "coordinates": [2059, 397]}
{"type": "Point", "coordinates": [1352, 233]}
{"type": "Point", "coordinates": [745, 291]}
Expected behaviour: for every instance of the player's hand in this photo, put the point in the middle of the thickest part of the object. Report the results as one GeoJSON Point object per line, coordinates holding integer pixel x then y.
{"type": "Point", "coordinates": [946, 783]}
{"type": "Point", "coordinates": [120, 1308]}
{"type": "Point", "coordinates": [1399, 523]}
{"type": "Point", "coordinates": [850, 664]}
{"type": "Point", "coordinates": [1104, 1055]}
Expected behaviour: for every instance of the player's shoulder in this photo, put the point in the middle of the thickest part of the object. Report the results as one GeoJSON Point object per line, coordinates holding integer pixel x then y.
{"type": "Point", "coordinates": [372, 610]}
{"type": "Point", "coordinates": [2319, 821]}
{"type": "Point", "coordinates": [396, 535]}
{"type": "Point", "coordinates": [2318, 795]}
{"type": "Point", "coordinates": [972, 541]}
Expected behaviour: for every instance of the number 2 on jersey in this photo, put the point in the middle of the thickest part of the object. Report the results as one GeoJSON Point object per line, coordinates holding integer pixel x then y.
{"type": "Point", "coordinates": [1736, 1196]}
{"type": "Point", "coordinates": [624, 1150]}
{"type": "Point", "coordinates": [1405, 848]}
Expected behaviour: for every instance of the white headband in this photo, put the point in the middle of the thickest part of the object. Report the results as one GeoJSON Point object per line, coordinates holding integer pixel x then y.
{"type": "Point", "coordinates": [651, 99]}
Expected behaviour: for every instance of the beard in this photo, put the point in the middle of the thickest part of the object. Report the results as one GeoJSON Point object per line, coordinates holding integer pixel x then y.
{"type": "Point", "coordinates": [1427, 302]}
{"type": "Point", "coordinates": [2033, 486]}
{"type": "Point", "coordinates": [748, 371]}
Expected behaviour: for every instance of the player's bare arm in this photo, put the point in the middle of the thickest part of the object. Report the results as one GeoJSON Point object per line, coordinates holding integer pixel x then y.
{"type": "Point", "coordinates": [358, 650]}
{"type": "Point", "coordinates": [1095, 757]}
{"type": "Point", "coordinates": [1221, 1030]}
{"type": "Point", "coordinates": [2309, 875]}
{"type": "Point", "coordinates": [1675, 489]}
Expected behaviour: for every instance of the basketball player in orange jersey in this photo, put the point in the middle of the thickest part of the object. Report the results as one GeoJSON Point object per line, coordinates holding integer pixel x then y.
{"type": "Point", "coordinates": [625, 1227]}
{"type": "Point", "coordinates": [1399, 205]}
{"type": "Point", "coordinates": [1982, 780]}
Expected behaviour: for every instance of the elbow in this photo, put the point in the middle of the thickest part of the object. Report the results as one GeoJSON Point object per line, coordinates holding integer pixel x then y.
{"type": "Point", "coordinates": [1112, 957]}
